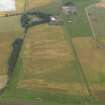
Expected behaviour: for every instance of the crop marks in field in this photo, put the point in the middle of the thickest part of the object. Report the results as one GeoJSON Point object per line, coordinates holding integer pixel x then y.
{"type": "Point", "coordinates": [92, 60]}
{"type": "Point", "coordinates": [49, 62]}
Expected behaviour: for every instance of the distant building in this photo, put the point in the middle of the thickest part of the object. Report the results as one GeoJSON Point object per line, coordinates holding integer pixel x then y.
{"type": "Point", "coordinates": [69, 8]}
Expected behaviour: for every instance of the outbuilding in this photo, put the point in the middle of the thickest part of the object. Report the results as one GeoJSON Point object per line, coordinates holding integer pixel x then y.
{"type": "Point", "coordinates": [69, 8]}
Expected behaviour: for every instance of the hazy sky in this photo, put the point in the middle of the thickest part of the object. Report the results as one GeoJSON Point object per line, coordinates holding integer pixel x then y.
{"type": "Point", "coordinates": [7, 5]}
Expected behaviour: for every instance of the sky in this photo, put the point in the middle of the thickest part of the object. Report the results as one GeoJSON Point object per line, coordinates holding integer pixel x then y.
{"type": "Point", "coordinates": [7, 5]}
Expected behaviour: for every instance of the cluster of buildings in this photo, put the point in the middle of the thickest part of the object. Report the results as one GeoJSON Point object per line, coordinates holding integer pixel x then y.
{"type": "Point", "coordinates": [69, 8]}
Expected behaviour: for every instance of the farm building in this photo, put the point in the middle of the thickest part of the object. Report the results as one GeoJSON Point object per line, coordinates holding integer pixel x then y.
{"type": "Point", "coordinates": [69, 8]}
{"type": "Point", "coordinates": [7, 5]}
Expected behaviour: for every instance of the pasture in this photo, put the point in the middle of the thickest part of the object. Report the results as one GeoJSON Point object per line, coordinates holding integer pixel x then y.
{"type": "Point", "coordinates": [79, 25]}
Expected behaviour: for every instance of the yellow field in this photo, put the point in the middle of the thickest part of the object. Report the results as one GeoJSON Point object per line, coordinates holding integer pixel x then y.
{"type": "Point", "coordinates": [47, 62]}
{"type": "Point", "coordinates": [92, 60]}
{"type": "Point", "coordinates": [20, 5]}
{"type": "Point", "coordinates": [38, 3]}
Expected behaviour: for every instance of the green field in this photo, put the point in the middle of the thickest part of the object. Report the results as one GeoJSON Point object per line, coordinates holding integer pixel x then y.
{"type": "Point", "coordinates": [97, 19]}
{"type": "Point", "coordinates": [58, 65]}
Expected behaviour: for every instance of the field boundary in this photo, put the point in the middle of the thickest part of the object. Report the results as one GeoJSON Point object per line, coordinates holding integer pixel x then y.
{"type": "Point", "coordinates": [89, 21]}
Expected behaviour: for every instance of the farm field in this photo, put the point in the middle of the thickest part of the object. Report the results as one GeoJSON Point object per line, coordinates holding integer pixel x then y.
{"type": "Point", "coordinates": [48, 62]}
{"type": "Point", "coordinates": [93, 64]}
{"type": "Point", "coordinates": [38, 3]}
{"type": "Point", "coordinates": [20, 5]}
